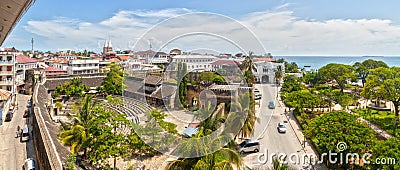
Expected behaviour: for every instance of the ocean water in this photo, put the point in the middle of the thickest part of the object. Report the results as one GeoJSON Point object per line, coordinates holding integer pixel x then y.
{"type": "Point", "coordinates": [316, 62]}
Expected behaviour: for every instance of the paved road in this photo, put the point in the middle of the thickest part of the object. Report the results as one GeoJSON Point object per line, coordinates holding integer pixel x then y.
{"type": "Point", "coordinates": [266, 131]}
{"type": "Point", "coordinates": [12, 151]}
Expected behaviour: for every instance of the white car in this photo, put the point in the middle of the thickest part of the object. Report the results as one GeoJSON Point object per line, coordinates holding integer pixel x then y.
{"type": "Point", "coordinates": [29, 164]}
{"type": "Point", "coordinates": [281, 128]}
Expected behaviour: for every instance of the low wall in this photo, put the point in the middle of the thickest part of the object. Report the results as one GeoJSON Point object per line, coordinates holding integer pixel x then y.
{"type": "Point", "coordinates": [45, 153]}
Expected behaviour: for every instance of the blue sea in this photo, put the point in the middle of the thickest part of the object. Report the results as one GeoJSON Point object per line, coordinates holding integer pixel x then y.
{"type": "Point", "coordinates": [316, 62]}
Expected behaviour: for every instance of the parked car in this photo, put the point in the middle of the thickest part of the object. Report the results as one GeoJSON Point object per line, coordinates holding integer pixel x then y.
{"type": "Point", "coordinates": [29, 164]}
{"type": "Point", "coordinates": [26, 113]}
{"type": "Point", "coordinates": [249, 146]}
{"type": "Point", "coordinates": [281, 128]}
{"type": "Point", "coordinates": [271, 105]}
{"type": "Point", "coordinates": [29, 103]}
{"type": "Point", "coordinates": [25, 134]}
{"type": "Point", "coordinates": [9, 116]}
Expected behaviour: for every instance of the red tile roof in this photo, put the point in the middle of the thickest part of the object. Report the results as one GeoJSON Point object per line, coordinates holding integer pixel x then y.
{"type": "Point", "coordinates": [225, 62]}
{"type": "Point", "coordinates": [124, 57]}
{"type": "Point", "coordinates": [265, 59]}
{"type": "Point", "coordinates": [24, 59]}
{"type": "Point", "coordinates": [113, 60]}
{"type": "Point", "coordinates": [47, 69]}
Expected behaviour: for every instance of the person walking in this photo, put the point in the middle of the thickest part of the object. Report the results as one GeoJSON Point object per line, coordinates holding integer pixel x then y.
{"type": "Point", "coordinates": [18, 131]}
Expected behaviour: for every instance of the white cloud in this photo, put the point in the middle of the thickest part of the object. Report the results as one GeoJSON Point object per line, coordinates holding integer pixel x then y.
{"type": "Point", "coordinates": [280, 31]}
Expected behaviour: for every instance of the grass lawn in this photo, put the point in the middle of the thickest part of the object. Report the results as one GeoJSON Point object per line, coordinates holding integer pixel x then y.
{"type": "Point", "coordinates": [383, 119]}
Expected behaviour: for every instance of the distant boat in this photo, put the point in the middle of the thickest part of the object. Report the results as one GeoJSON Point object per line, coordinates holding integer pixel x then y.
{"type": "Point", "coordinates": [371, 56]}
{"type": "Point", "coordinates": [307, 66]}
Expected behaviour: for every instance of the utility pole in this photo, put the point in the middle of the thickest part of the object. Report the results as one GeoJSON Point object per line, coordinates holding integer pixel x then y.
{"type": "Point", "coordinates": [32, 41]}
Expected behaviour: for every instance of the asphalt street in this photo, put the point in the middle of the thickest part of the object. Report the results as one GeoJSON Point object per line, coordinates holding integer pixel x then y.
{"type": "Point", "coordinates": [271, 141]}
{"type": "Point", "coordinates": [13, 152]}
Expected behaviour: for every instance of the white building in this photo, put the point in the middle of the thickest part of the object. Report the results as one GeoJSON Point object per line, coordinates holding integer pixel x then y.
{"type": "Point", "coordinates": [265, 71]}
{"type": "Point", "coordinates": [7, 69]}
{"type": "Point", "coordinates": [24, 63]}
{"type": "Point", "coordinates": [79, 67]}
{"type": "Point", "coordinates": [160, 58]}
{"type": "Point", "coordinates": [195, 62]}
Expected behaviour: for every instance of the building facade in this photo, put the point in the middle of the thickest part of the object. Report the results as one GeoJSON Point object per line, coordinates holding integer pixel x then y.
{"type": "Point", "coordinates": [195, 63]}
{"type": "Point", "coordinates": [265, 71]}
{"type": "Point", "coordinates": [7, 69]}
{"type": "Point", "coordinates": [80, 67]}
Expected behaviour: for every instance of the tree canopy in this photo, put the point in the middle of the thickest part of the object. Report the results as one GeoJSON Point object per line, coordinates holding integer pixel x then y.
{"type": "Point", "coordinates": [71, 88]}
{"type": "Point", "coordinates": [114, 82]}
{"type": "Point", "coordinates": [340, 73]}
{"type": "Point", "coordinates": [363, 68]}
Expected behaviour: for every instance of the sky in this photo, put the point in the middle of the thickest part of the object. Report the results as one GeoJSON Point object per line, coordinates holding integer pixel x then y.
{"type": "Point", "coordinates": [279, 27]}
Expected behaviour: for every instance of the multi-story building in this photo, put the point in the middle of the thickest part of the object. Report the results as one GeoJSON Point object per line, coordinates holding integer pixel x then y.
{"type": "Point", "coordinates": [54, 72]}
{"type": "Point", "coordinates": [79, 67]}
{"type": "Point", "coordinates": [265, 71]}
{"type": "Point", "coordinates": [23, 63]}
{"type": "Point", "coordinates": [197, 63]}
{"type": "Point", "coordinates": [7, 69]}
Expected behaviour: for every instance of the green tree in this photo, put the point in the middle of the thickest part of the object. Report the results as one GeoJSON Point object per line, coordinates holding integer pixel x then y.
{"type": "Point", "coordinates": [77, 136]}
{"type": "Point", "coordinates": [109, 136]}
{"type": "Point", "coordinates": [289, 67]}
{"type": "Point", "coordinates": [71, 88]}
{"type": "Point", "coordinates": [207, 76]}
{"type": "Point", "coordinates": [248, 67]}
{"type": "Point", "coordinates": [312, 78]}
{"type": "Point", "coordinates": [224, 158]}
{"type": "Point", "coordinates": [363, 69]}
{"type": "Point", "coordinates": [180, 98]}
{"type": "Point", "coordinates": [327, 130]}
{"type": "Point", "coordinates": [114, 82]}
{"type": "Point", "coordinates": [278, 75]}
{"type": "Point", "coordinates": [384, 83]}
{"type": "Point", "coordinates": [339, 72]}
{"type": "Point", "coordinates": [291, 83]}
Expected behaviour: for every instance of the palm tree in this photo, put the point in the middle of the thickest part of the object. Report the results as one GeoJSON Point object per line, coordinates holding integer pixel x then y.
{"type": "Point", "coordinates": [242, 108]}
{"type": "Point", "coordinates": [278, 77]}
{"type": "Point", "coordinates": [248, 67]}
{"type": "Point", "coordinates": [277, 165]}
{"type": "Point", "coordinates": [77, 136]}
{"type": "Point", "coordinates": [223, 158]}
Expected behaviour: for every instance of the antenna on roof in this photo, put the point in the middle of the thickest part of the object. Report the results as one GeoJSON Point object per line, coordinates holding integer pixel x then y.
{"type": "Point", "coordinates": [32, 41]}
{"type": "Point", "coordinates": [150, 43]}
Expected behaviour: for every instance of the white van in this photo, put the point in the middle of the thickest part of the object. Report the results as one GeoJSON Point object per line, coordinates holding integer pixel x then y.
{"type": "Point", "coordinates": [25, 134]}
{"type": "Point", "coordinates": [29, 164]}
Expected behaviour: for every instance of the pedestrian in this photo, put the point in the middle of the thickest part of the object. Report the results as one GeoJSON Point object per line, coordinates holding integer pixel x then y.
{"type": "Point", "coordinates": [18, 128]}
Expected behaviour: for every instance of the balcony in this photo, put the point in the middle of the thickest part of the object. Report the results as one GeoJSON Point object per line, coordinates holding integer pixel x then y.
{"type": "Point", "coordinates": [6, 82]}
{"type": "Point", "coordinates": [6, 72]}
{"type": "Point", "coordinates": [5, 62]}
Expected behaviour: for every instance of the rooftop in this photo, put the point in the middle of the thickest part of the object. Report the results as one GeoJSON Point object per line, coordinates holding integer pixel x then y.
{"type": "Point", "coordinates": [24, 59]}
{"type": "Point", "coordinates": [193, 56]}
{"type": "Point", "coordinates": [265, 59]}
